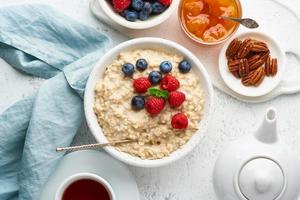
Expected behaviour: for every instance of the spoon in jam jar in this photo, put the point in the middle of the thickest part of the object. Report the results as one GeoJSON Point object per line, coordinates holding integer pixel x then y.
{"type": "Point", "coordinates": [247, 22]}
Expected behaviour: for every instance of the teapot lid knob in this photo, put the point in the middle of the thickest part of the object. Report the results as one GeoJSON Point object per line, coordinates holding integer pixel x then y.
{"type": "Point", "coordinates": [261, 179]}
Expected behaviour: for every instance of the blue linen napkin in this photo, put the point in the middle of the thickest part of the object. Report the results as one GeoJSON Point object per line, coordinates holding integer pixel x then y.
{"type": "Point", "coordinates": [39, 41]}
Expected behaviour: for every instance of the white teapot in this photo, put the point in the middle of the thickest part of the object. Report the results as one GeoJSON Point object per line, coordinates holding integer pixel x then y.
{"type": "Point", "coordinates": [258, 167]}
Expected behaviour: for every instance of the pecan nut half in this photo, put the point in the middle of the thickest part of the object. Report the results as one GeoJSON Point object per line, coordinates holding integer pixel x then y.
{"type": "Point", "coordinates": [259, 46]}
{"type": "Point", "coordinates": [243, 67]}
{"type": "Point", "coordinates": [257, 60]}
{"type": "Point", "coordinates": [271, 66]}
{"type": "Point", "coordinates": [253, 61]}
{"type": "Point", "coordinates": [233, 48]}
{"type": "Point", "coordinates": [254, 78]}
{"type": "Point", "coordinates": [245, 48]}
{"type": "Point", "coordinates": [265, 55]}
{"type": "Point", "coordinates": [233, 66]}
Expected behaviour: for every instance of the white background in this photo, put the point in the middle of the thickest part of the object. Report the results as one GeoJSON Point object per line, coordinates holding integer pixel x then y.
{"type": "Point", "coordinates": [191, 177]}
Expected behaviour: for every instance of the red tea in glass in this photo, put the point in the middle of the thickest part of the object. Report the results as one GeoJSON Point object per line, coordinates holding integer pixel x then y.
{"type": "Point", "coordinates": [86, 189]}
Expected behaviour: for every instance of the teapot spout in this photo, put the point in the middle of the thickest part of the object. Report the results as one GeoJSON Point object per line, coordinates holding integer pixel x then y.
{"type": "Point", "coordinates": [267, 132]}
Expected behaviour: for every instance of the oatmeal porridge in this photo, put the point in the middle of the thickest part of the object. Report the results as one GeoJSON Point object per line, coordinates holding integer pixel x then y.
{"type": "Point", "coordinates": [162, 124]}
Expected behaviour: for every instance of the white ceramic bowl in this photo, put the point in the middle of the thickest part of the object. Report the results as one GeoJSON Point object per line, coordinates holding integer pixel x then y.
{"type": "Point", "coordinates": [152, 21]}
{"type": "Point", "coordinates": [269, 83]}
{"type": "Point", "coordinates": [153, 43]}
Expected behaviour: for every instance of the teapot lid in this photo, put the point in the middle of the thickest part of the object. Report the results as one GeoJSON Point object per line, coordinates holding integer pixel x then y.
{"type": "Point", "coordinates": [261, 179]}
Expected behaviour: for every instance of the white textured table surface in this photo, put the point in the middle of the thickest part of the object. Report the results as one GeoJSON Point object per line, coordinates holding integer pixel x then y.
{"type": "Point", "coordinates": [191, 177]}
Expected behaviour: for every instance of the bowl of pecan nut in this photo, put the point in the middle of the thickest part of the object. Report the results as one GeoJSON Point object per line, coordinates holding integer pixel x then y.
{"type": "Point", "coordinates": [252, 64]}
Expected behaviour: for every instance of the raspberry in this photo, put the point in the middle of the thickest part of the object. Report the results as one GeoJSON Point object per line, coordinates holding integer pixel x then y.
{"type": "Point", "coordinates": [169, 83]}
{"type": "Point", "coordinates": [141, 84]}
{"type": "Point", "coordinates": [121, 5]}
{"type": "Point", "coordinates": [176, 98]}
{"type": "Point", "coordinates": [165, 2]}
{"type": "Point", "coordinates": [180, 121]}
{"type": "Point", "coordinates": [154, 105]}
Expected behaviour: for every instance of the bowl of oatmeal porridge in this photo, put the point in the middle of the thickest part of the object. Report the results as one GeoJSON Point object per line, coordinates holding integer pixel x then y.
{"type": "Point", "coordinates": [166, 109]}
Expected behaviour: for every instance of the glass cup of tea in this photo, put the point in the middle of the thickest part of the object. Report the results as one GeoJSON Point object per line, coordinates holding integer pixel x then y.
{"type": "Point", "coordinates": [85, 186]}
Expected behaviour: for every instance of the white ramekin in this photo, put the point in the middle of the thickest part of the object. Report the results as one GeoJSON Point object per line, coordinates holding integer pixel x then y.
{"type": "Point", "coordinates": [153, 20]}
{"type": "Point", "coordinates": [65, 184]}
{"type": "Point", "coordinates": [142, 43]}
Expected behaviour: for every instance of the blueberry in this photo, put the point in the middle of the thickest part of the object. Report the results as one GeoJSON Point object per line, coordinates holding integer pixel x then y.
{"type": "Point", "coordinates": [165, 67]}
{"type": "Point", "coordinates": [124, 12]}
{"type": "Point", "coordinates": [184, 66]}
{"type": "Point", "coordinates": [128, 69]}
{"type": "Point", "coordinates": [131, 15]}
{"type": "Point", "coordinates": [138, 102]}
{"type": "Point", "coordinates": [141, 64]}
{"type": "Point", "coordinates": [137, 4]}
{"type": "Point", "coordinates": [143, 16]}
{"type": "Point", "coordinates": [155, 77]}
{"type": "Point", "coordinates": [158, 8]}
{"type": "Point", "coordinates": [147, 8]}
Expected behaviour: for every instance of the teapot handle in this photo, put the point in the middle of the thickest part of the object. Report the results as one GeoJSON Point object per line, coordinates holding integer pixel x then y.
{"type": "Point", "coordinates": [291, 83]}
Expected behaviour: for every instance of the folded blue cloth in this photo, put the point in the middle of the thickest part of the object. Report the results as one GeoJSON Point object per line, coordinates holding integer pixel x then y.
{"type": "Point", "coordinates": [39, 41]}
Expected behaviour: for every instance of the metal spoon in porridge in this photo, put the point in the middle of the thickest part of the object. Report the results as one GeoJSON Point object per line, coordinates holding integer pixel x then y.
{"type": "Point", "coordinates": [96, 145]}
{"type": "Point", "coordinates": [101, 145]}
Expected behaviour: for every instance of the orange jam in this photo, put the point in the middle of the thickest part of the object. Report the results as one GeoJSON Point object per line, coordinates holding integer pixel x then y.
{"type": "Point", "coordinates": [201, 18]}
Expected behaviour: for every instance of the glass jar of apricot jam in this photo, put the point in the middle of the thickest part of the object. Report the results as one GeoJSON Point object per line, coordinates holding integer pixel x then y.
{"type": "Point", "coordinates": [200, 19]}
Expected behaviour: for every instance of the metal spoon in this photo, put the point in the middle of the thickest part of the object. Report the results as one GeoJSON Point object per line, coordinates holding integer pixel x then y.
{"type": "Point", "coordinates": [97, 145]}
{"type": "Point", "coordinates": [247, 22]}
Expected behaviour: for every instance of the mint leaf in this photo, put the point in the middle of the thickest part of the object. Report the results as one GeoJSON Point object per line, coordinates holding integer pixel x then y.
{"type": "Point", "coordinates": [158, 93]}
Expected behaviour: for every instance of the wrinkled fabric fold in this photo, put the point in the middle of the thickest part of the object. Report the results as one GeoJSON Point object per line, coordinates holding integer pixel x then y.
{"type": "Point", "coordinates": [37, 40]}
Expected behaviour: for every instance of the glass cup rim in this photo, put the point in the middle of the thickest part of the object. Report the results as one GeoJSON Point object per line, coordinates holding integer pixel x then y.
{"type": "Point", "coordinates": [79, 176]}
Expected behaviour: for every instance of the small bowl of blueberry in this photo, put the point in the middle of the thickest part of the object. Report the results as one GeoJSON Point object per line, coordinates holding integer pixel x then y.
{"type": "Point", "coordinates": [138, 14]}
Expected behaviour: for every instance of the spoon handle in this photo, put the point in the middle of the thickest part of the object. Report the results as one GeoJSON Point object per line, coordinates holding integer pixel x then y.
{"type": "Point", "coordinates": [92, 146]}
{"type": "Point", "coordinates": [239, 20]}
{"type": "Point", "coordinates": [247, 22]}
